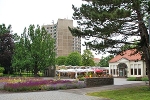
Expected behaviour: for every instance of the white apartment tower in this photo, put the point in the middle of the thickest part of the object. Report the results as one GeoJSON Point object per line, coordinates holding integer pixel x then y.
{"type": "Point", "coordinates": [65, 42]}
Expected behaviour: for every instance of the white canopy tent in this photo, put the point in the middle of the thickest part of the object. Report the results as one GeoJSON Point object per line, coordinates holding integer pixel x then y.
{"type": "Point", "coordinates": [75, 71]}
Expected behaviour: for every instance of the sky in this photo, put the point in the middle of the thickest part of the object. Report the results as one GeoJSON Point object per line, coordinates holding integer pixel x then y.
{"type": "Point", "coordinates": [22, 13]}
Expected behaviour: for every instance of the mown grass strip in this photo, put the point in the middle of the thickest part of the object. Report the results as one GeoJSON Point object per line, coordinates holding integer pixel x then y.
{"type": "Point", "coordinates": [134, 93]}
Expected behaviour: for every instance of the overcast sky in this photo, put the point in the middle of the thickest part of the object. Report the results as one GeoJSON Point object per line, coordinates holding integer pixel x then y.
{"type": "Point", "coordinates": [22, 13]}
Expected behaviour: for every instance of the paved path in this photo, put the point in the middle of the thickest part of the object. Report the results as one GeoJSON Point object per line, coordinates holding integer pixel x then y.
{"type": "Point", "coordinates": [70, 94]}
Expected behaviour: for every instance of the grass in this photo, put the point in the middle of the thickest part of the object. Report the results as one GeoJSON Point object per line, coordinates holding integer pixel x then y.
{"type": "Point", "coordinates": [23, 74]}
{"type": "Point", "coordinates": [134, 93]}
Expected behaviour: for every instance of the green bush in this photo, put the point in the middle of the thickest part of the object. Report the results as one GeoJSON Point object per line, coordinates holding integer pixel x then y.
{"type": "Point", "coordinates": [1, 74]}
{"type": "Point", "coordinates": [81, 78]}
{"type": "Point", "coordinates": [145, 79]}
{"type": "Point", "coordinates": [131, 79]}
{"type": "Point", "coordinates": [138, 78]}
{"type": "Point", "coordinates": [1, 69]}
{"type": "Point", "coordinates": [134, 79]}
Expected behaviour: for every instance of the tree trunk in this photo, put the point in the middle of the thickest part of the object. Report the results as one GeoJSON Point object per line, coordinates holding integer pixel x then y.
{"type": "Point", "coordinates": [145, 44]}
{"type": "Point", "coordinates": [36, 71]}
{"type": "Point", "coordinates": [147, 61]}
{"type": "Point", "coordinates": [149, 77]}
{"type": "Point", "coordinates": [148, 66]}
{"type": "Point", "coordinates": [148, 70]}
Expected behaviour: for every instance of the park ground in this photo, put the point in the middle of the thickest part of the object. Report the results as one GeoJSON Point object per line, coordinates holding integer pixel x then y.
{"type": "Point", "coordinates": [70, 94]}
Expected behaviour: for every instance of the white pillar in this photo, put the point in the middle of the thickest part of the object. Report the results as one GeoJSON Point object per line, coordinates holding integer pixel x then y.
{"type": "Point", "coordinates": [109, 70]}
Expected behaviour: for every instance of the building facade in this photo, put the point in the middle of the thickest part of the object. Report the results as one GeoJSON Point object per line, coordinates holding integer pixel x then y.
{"type": "Point", "coordinates": [65, 43]}
{"type": "Point", "coordinates": [127, 65]}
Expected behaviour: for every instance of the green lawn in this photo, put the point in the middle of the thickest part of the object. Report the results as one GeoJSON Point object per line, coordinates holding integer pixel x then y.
{"type": "Point", "coordinates": [134, 93]}
{"type": "Point", "coordinates": [22, 74]}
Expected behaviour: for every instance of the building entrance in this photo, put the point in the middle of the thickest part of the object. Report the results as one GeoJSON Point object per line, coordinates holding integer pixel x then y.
{"type": "Point", "coordinates": [122, 70]}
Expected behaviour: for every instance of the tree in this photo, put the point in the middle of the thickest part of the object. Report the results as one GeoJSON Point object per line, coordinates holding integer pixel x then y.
{"type": "Point", "coordinates": [104, 62]}
{"type": "Point", "coordinates": [61, 60]}
{"type": "Point", "coordinates": [6, 47]}
{"type": "Point", "coordinates": [114, 23]}
{"type": "Point", "coordinates": [22, 56]}
{"type": "Point", "coordinates": [74, 59]}
{"type": "Point", "coordinates": [35, 50]}
{"type": "Point", "coordinates": [87, 58]}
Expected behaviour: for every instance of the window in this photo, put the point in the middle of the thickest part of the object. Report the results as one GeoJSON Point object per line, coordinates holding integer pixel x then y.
{"type": "Point", "coordinates": [139, 71]}
{"type": "Point", "coordinates": [117, 71]}
{"type": "Point", "coordinates": [146, 71]}
{"type": "Point", "coordinates": [111, 72]}
{"type": "Point", "coordinates": [135, 71]}
{"type": "Point", "coordinates": [131, 71]}
{"type": "Point", "coordinates": [114, 72]}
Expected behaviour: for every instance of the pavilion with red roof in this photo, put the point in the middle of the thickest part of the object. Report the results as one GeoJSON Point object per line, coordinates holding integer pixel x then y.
{"type": "Point", "coordinates": [127, 64]}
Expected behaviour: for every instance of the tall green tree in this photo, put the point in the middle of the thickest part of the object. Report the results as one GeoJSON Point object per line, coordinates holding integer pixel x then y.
{"type": "Point", "coordinates": [22, 56]}
{"type": "Point", "coordinates": [87, 58]}
{"type": "Point", "coordinates": [35, 50]}
{"type": "Point", "coordinates": [74, 59]}
{"type": "Point", "coordinates": [61, 60]}
{"type": "Point", "coordinates": [114, 23]}
{"type": "Point", "coordinates": [6, 48]}
{"type": "Point", "coordinates": [104, 62]}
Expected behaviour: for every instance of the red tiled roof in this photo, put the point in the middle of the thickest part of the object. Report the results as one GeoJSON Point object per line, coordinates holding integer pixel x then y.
{"type": "Point", "coordinates": [96, 60]}
{"type": "Point", "coordinates": [127, 55]}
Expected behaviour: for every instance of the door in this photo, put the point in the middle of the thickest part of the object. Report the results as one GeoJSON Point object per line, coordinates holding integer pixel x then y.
{"type": "Point", "coordinates": [122, 69]}
{"type": "Point", "coordinates": [122, 72]}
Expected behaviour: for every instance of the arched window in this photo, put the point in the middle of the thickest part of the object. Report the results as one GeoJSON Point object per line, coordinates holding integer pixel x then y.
{"type": "Point", "coordinates": [122, 65]}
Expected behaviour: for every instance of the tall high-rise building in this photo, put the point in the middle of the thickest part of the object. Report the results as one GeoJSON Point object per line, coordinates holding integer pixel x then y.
{"type": "Point", "coordinates": [65, 42]}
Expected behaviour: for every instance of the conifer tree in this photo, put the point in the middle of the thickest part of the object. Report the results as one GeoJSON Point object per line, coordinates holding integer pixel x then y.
{"type": "Point", "coordinates": [113, 24]}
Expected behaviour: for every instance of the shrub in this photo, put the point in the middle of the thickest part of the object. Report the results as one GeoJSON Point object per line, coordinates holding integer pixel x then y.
{"type": "Point", "coordinates": [145, 79]}
{"type": "Point", "coordinates": [81, 78]}
{"type": "Point", "coordinates": [138, 78]}
{"type": "Point", "coordinates": [1, 74]}
{"type": "Point", "coordinates": [1, 69]}
{"type": "Point", "coordinates": [134, 78]}
{"type": "Point", "coordinates": [131, 79]}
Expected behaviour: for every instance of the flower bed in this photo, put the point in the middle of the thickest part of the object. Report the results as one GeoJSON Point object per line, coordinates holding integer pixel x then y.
{"type": "Point", "coordinates": [35, 84]}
